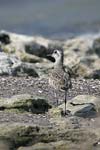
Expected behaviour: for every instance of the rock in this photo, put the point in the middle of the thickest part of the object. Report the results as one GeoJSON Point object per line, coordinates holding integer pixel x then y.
{"type": "Point", "coordinates": [60, 145]}
{"type": "Point", "coordinates": [16, 134]}
{"type": "Point", "coordinates": [27, 69]}
{"type": "Point", "coordinates": [8, 64]}
{"type": "Point", "coordinates": [79, 45]}
{"type": "Point", "coordinates": [81, 105]}
{"type": "Point", "coordinates": [94, 75]}
{"type": "Point", "coordinates": [11, 65]}
{"type": "Point", "coordinates": [81, 70]}
{"type": "Point", "coordinates": [36, 49]}
{"type": "Point", "coordinates": [24, 103]}
{"type": "Point", "coordinates": [71, 59]}
{"type": "Point", "coordinates": [84, 106]}
{"type": "Point", "coordinates": [80, 54]}
{"type": "Point", "coordinates": [4, 38]}
{"type": "Point", "coordinates": [96, 64]}
{"type": "Point", "coordinates": [26, 48]}
{"type": "Point", "coordinates": [39, 146]}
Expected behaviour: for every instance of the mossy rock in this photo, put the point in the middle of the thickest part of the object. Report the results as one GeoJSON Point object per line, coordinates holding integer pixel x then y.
{"type": "Point", "coordinates": [18, 134]}
{"type": "Point", "coordinates": [24, 103]}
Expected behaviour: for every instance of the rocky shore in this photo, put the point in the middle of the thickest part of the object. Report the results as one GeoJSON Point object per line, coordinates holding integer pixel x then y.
{"type": "Point", "coordinates": [29, 117]}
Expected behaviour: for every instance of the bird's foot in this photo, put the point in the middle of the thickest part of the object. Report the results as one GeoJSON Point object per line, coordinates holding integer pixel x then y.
{"type": "Point", "coordinates": [66, 113]}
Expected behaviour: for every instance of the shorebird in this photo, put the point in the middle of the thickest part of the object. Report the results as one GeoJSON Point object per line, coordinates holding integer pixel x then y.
{"type": "Point", "coordinates": [58, 78]}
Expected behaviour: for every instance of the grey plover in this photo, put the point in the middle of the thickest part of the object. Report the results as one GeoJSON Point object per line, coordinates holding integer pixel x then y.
{"type": "Point", "coordinates": [58, 78]}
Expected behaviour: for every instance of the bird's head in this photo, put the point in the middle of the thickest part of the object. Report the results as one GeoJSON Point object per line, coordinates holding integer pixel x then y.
{"type": "Point", "coordinates": [58, 57]}
{"type": "Point", "coordinates": [56, 54]}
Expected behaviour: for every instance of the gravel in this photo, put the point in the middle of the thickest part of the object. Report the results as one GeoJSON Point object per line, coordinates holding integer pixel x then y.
{"type": "Point", "coordinates": [10, 86]}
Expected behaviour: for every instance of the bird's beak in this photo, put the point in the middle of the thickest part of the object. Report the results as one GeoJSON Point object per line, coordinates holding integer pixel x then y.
{"type": "Point", "coordinates": [49, 56]}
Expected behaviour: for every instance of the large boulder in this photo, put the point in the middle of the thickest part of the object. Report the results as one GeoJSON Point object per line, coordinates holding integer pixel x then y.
{"type": "Point", "coordinates": [24, 103]}
{"type": "Point", "coordinates": [85, 106]}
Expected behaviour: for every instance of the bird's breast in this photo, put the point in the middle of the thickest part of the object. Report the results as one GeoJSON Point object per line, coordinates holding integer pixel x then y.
{"type": "Point", "coordinates": [56, 83]}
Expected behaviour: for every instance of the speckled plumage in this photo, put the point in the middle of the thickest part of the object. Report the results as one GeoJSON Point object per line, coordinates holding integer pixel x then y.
{"type": "Point", "coordinates": [58, 78]}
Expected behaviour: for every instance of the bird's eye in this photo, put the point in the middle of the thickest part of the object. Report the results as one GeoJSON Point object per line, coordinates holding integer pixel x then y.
{"type": "Point", "coordinates": [55, 52]}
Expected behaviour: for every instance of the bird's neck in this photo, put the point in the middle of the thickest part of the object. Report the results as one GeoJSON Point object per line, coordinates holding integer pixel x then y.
{"type": "Point", "coordinates": [58, 64]}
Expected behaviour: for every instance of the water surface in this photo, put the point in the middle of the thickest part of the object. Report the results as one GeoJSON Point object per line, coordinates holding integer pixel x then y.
{"type": "Point", "coordinates": [50, 18]}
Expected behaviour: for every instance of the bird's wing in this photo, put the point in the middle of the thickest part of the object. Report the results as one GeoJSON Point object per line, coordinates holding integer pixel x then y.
{"type": "Point", "coordinates": [67, 79]}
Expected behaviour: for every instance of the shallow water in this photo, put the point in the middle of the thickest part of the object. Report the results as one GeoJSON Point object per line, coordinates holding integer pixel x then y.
{"type": "Point", "coordinates": [50, 18]}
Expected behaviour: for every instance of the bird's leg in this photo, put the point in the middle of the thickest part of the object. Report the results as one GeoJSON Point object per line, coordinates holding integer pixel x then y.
{"type": "Point", "coordinates": [65, 100]}
{"type": "Point", "coordinates": [57, 102]}
{"type": "Point", "coordinates": [67, 112]}
{"type": "Point", "coordinates": [56, 97]}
